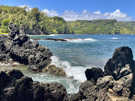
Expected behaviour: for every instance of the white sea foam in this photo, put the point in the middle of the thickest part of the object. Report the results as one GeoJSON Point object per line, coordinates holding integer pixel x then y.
{"type": "Point", "coordinates": [31, 39]}
{"type": "Point", "coordinates": [76, 72]}
{"type": "Point", "coordinates": [72, 86]}
{"type": "Point", "coordinates": [115, 38]}
{"type": "Point", "coordinates": [52, 35]}
{"type": "Point", "coordinates": [81, 40]}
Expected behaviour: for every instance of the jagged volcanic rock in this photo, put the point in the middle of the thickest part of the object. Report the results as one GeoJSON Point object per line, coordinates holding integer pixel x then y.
{"type": "Point", "coordinates": [117, 83]}
{"type": "Point", "coordinates": [20, 48]}
{"type": "Point", "coordinates": [120, 58]}
{"type": "Point", "coordinates": [94, 73]}
{"type": "Point", "coordinates": [25, 89]}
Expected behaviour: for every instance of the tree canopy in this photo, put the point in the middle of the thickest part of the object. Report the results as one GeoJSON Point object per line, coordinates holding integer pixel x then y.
{"type": "Point", "coordinates": [34, 21]}
{"type": "Point", "coordinates": [102, 27]}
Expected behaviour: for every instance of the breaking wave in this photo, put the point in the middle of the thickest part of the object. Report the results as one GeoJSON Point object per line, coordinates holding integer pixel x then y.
{"type": "Point", "coordinates": [81, 40]}
{"type": "Point", "coordinates": [75, 72]}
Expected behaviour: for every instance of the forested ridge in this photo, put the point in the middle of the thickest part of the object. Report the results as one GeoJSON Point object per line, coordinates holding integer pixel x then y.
{"type": "Point", "coordinates": [102, 27]}
{"type": "Point", "coordinates": [33, 21]}
{"type": "Point", "coordinates": [36, 22]}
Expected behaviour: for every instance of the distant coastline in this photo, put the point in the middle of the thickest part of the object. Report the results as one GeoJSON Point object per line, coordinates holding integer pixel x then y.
{"type": "Point", "coordinates": [35, 21]}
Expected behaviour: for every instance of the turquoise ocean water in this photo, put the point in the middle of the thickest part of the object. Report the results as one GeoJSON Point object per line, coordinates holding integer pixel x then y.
{"type": "Point", "coordinates": [79, 53]}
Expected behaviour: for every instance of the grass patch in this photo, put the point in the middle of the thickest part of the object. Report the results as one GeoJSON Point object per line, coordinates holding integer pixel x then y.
{"type": "Point", "coordinates": [3, 33]}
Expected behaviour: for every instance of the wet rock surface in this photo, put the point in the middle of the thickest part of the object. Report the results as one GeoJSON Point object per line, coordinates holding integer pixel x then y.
{"type": "Point", "coordinates": [20, 48]}
{"type": "Point", "coordinates": [57, 71]}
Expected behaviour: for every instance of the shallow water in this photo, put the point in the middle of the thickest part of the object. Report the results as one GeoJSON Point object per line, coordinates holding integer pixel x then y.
{"type": "Point", "coordinates": [79, 53]}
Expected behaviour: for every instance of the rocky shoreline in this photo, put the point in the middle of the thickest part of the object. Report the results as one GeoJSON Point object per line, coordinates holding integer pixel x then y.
{"type": "Point", "coordinates": [115, 83]}
{"type": "Point", "coordinates": [18, 47]}
{"type": "Point", "coordinates": [112, 84]}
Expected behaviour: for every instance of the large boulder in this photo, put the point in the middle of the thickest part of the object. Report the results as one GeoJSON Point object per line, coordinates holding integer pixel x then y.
{"type": "Point", "coordinates": [116, 83]}
{"type": "Point", "coordinates": [94, 73]}
{"type": "Point", "coordinates": [4, 79]}
{"type": "Point", "coordinates": [54, 92]}
{"type": "Point", "coordinates": [16, 74]}
{"type": "Point", "coordinates": [49, 92]}
{"type": "Point", "coordinates": [120, 58]}
{"type": "Point", "coordinates": [23, 89]}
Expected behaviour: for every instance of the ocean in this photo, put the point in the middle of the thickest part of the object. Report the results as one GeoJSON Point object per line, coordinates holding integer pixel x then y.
{"type": "Point", "coordinates": [77, 54]}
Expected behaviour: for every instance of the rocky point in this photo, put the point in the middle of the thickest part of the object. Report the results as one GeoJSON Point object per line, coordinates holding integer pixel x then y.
{"type": "Point", "coordinates": [115, 83]}
{"type": "Point", "coordinates": [18, 47]}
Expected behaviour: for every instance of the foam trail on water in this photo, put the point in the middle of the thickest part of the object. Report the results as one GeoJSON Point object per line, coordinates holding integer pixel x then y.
{"type": "Point", "coordinates": [81, 40]}
{"type": "Point", "coordinates": [52, 35]}
{"type": "Point", "coordinates": [115, 38]}
{"type": "Point", "coordinates": [77, 72]}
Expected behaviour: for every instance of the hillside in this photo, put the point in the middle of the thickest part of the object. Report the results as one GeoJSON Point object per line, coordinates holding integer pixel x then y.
{"type": "Point", "coordinates": [33, 21]}
{"type": "Point", "coordinates": [36, 22]}
{"type": "Point", "coordinates": [103, 27]}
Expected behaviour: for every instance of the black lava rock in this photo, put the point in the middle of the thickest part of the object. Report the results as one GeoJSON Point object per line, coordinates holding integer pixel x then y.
{"type": "Point", "coordinates": [94, 73]}
{"type": "Point", "coordinates": [20, 48]}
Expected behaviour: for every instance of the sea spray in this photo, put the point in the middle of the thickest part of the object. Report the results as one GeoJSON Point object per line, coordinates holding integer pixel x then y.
{"type": "Point", "coordinates": [83, 53]}
{"type": "Point", "coordinates": [75, 75]}
{"type": "Point", "coordinates": [75, 72]}
{"type": "Point", "coordinates": [78, 40]}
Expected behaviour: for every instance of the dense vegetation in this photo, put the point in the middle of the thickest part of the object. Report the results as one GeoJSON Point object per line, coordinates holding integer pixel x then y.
{"type": "Point", "coordinates": [103, 27]}
{"type": "Point", "coordinates": [33, 21]}
{"type": "Point", "coordinates": [36, 22]}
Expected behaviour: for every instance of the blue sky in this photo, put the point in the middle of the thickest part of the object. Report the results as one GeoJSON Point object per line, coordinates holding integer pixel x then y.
{"type": "Point", "coordinates": [81, 9]}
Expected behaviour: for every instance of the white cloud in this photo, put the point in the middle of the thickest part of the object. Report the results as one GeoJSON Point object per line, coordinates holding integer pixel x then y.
{"type": "Point", "coordinates": [70, 15]}
{"type": "Point", "coordinates": [86, 15]}
{"type": "Point", "coordinates": [97, 12]}
{"type": "Point", "coordinates": [50, 13]}
{"type": "Point", "coordinates": [117, 14]}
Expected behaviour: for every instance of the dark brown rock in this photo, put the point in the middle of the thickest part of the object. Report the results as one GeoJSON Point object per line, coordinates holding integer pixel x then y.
{"type": "Point", "coordinates": [57, 71]}
{"type": "Point", "coordinates": [94, 73]}
{"type": "Point", "coordinates": [117, 84]}
{"type": "Point", "coordinates": [20, 48]}
{"type": "Point", "coordinates": [120, 58]}
{"type": "Point", "coordinates": [15, 74]}
{"type": "Point", "coordinates": [25, 89]}
{"type": "Point", "coordinates": [4, 79]}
